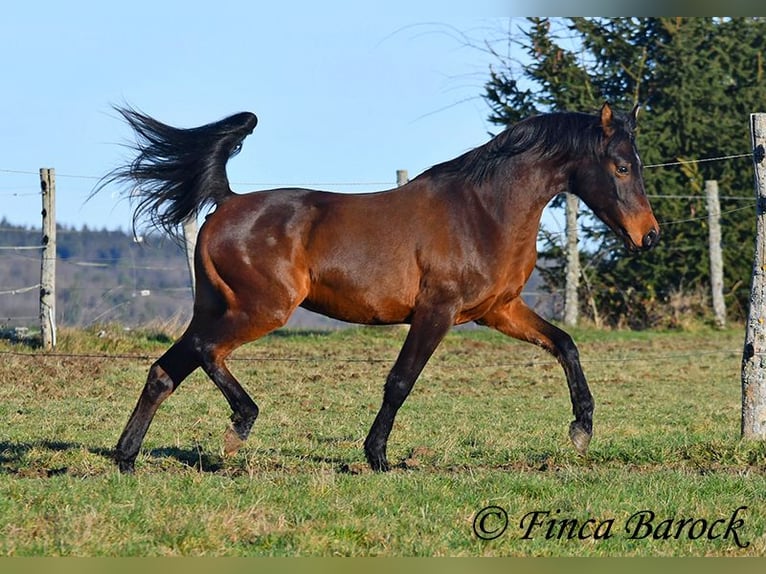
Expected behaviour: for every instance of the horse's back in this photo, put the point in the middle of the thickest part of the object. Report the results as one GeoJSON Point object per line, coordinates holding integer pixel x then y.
{"type": "Point", "coordinates": [348, 256]}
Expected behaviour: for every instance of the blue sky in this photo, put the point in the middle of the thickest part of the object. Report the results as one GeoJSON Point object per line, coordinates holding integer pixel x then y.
{"type": "Point", "coordinates": [344, 95]}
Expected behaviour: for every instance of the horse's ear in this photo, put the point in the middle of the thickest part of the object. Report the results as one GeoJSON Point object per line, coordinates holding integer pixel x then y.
{"type": "Point", "coordinates": [634, 114]}
{"type": "Point", "coordinates": [606, 120]}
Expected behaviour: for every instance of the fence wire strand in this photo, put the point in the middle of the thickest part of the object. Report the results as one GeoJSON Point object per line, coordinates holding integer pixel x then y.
{"type": "Point", "coordinates": [644, 357]}
{"type": "Point", "coordinates": [19, 290]}
{"type": "Point", "coordinates": [370, 183]}
{"type": "Point", "coordinates": [16, 192]}
{"type": "Point", "coordinates": [702, 160]}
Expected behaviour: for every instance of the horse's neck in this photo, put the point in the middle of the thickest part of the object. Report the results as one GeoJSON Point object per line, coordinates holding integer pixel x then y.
{"type": "Point", "coordinates": [524, 190]}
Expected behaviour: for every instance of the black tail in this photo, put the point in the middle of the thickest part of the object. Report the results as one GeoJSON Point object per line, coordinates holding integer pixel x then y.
{"type": "Point", "coordinates": [179, 171]}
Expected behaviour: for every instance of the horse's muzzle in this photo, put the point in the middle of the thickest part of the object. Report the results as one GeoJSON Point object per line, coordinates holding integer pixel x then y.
{"type": "Point", "coordinates": [651, 239]}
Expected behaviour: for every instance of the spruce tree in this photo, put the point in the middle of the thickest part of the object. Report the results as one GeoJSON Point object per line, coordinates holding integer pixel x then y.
{"type": "Point", "coordinates": [697, 79]}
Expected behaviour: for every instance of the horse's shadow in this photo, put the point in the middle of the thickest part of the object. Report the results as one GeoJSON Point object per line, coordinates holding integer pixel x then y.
{"type": "Point", "coordinates": [195, 458]}
{"type": "Point", "coordinates": [14, 461]}
{"type": "Point", "coordinates": [14, 458]}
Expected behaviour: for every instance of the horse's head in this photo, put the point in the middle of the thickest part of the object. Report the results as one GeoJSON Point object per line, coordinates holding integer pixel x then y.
{"type": "Point", "coordinates": [611, 184]}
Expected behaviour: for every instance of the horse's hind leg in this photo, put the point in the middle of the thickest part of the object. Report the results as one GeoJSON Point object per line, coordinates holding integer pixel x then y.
{"type": "Point", "coordinates": [213, 342]}
{"type": "Point", "coordinates": [164, 377]}
{"type": "Point", "coordinates": [244, 410]}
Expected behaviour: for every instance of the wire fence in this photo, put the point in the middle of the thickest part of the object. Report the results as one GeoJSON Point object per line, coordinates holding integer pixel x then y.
{"type": "Point", "coordinates": [548, 302]}
{"type": "Point", "coordinates": [640, 357]}
{"type": "Point", "coordinates": [139, 282]}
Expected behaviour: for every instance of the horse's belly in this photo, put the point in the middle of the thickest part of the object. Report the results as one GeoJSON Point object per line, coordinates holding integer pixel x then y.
{"type": "Point", "coordinates": [365, 300]}
{"type": "Point", "coordinates": [355, 311]}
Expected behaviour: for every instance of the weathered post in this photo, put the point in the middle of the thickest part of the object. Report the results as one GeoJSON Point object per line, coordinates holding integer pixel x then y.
{"type": "Point", "coordinates": [571, 301]}
{"type": "Point", "coordinates": [190, 244]}
{"type": "Point", "coordinates": [402, 177]}
{"type": "Point", "coordinates": [754, 354]}
{"type": "Point", "coordinates": [48, 263]}
{"type": "Point", "coordinates": [716, 257]}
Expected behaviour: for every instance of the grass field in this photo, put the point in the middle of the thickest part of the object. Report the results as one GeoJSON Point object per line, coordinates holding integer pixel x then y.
{"type": "Point", "coordinates": [485, 426]}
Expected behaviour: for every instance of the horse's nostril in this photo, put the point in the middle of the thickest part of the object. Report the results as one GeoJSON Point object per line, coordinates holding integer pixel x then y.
{"type": "Point", "coordinates": [650, 239]}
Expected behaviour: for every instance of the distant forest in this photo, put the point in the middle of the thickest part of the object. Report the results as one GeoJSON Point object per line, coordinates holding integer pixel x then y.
{"type": "Point", "coordinates": [105, 277]}
{"type": "Point", "coordinates": [108, 277]}
{"type": "Point", "coordinates": [101, 277]}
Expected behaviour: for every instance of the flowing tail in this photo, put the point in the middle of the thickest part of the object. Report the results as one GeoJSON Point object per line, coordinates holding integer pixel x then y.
{"type": "Point", "coordinates": [179, 171]}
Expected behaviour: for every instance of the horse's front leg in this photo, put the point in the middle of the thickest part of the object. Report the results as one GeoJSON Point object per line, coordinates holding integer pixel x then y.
{"type": "Point", "coordinates": [428, 328]}
{"type": "Point", "coordinates": [517, 320]}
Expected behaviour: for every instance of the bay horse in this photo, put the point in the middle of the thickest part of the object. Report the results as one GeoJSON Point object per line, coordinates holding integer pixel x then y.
{"type": "Point", "coordinates": [455, 244]}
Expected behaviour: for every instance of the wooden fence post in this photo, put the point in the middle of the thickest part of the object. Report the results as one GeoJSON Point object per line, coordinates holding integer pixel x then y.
{"type": "Point", "coordinates": [754, 354]}
{"type": "Point", "coordinates": [48, 263]}
{"type": "Point", "coordinates": [716, 257]}
{"type": "Point", "coordinates": [190, 244]}
{"type": "Point", "coordinates": [571, 301]}
{"type": "Point", "coordinates": [402, 177]}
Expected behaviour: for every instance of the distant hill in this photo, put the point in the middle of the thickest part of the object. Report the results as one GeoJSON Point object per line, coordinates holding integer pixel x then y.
{"type": "Point", "coordinates": [108, 277]}
{"type": "Point", "coordinates": [101, 277]}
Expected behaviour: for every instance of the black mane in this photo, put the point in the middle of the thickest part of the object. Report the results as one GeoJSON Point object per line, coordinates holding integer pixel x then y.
{"type": "Point", "coordinates": [549, 135]}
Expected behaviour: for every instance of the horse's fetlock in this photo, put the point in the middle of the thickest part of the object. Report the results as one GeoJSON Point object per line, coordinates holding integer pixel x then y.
{"type": "Point", "coordinates": [242, 425]}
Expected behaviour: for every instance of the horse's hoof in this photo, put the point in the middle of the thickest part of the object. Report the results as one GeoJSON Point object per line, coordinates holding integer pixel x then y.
{"type": "Point", "coordinates": [125, 463]}
{"type": "Point", "coordinates": [380, 466]}
{"type": "Point", "coordinates": [378, 463]}
{"type": "Point", "coordinates": [580, 437]}
{"type": "Point", "coordinates": [126, 466]}
{"type": "Point", "coordinates": [231, 442]}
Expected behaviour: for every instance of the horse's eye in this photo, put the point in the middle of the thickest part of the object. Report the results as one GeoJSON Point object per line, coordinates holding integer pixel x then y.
{"type": "Point", "coordinates": [622, 170]}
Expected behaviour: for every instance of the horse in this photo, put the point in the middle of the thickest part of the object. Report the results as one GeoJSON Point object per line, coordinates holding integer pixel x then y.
{"type": "Point", "coordinates": [456, 244]}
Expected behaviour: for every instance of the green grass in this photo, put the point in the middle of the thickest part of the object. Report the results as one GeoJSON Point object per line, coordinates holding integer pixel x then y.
{"type": "Point", "coordinates": [486, 425]}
